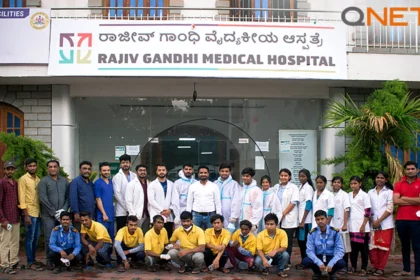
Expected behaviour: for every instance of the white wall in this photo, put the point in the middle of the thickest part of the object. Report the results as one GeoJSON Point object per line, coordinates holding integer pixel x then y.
{"type": "Point", "coordinates": [199, 15]}
{"type": "Point", "coordinates": [67, 4]}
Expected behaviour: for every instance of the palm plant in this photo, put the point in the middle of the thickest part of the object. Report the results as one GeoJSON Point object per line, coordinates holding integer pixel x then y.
{"type": "Point", "coordinates": [389, 118]}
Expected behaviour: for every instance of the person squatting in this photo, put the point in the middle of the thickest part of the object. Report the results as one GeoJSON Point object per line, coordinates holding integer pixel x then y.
{"type": "Point", "coordinates": [195, 225]}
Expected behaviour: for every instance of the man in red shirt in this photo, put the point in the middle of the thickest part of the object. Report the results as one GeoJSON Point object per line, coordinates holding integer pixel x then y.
{"type": "Point", "coordinates": [407, 197]}
{"type": "Point", "coordinates": [9, 219]}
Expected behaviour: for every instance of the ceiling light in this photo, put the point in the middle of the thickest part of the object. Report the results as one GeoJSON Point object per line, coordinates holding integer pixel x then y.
{"type": "Point", "coordinates": [186, 139]}
{"type": "Point", "coordinates": [184, 147]}
{"type": "Point", "coordinates": [206, 153]}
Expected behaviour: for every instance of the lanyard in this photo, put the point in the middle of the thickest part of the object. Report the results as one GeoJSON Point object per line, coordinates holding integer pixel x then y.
{"type": "Point", "coordinates": [324, 246]}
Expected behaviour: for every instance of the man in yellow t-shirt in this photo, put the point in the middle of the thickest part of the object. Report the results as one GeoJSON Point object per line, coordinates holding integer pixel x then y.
{"type": "Point", "coordinates": [192, 244]}
{"type": "Point", "coordinates": [95, 240]}
{"type": "Point", "coordinates": [242, 247]}
{"type": "Point", "coordinates": [271, 247]}
{"type": "Point", "coordinates": [217, 239]}
{"type": "Point", "coordinates": [129, 243]}
{"type": "Point", "coordinates": [155, 241]}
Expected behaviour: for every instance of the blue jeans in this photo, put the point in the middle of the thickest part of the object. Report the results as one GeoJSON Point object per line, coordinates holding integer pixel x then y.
{"type": "Point", "coordinates": [32, 234]}
{"type": "Point", "coordinates": [202, 221]}
{"type": "Point", "coordinates": [280, 259]}
{"type": "Point", "coordinates": [308, 262]}
{"type": "Point", "coordinates": [103, 255]}
{"type": "Point", "coordinates": [110, 228]}
{"type": "Point", "coordinates": [409, 231]}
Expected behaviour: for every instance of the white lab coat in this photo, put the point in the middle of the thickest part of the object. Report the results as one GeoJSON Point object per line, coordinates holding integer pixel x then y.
{"type": "Point", "coordinates": [291, 193]}
{"type": "Point", "coordinates": [306, 193]}
{"type": "Point", "coordinates": [380, 204]}
{"type": "Point", "coordinates": [251, 207]}
{"type": "Point", "coordinates": [119, 183]}
{"type": "Point", "coordinates": [341, 202]}
{"type": "Point", "coordinates": [358, 204]}
{"type": "Point", "coordinates": [157, 200]}
{"type": "Point", "coordinates": [230, 198]}
{"type": "Point", "coordinates": [180, 193]}
{"type": "Point", "coordinates": [134, 198]}
{"type": "Point", "coordinates": [324, 202]}
{"type": "Point", "coordinates": [271, 204]}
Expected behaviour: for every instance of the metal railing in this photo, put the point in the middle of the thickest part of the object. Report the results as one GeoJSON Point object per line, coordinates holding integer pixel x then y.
{"type": "Point", "coordinates": [378, 38]}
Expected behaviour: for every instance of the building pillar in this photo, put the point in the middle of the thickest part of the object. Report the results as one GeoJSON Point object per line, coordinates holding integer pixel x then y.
{"type": "Point", "coordinates": [331, 145]}
{"type": "Point", "coordinates": [64, 128]}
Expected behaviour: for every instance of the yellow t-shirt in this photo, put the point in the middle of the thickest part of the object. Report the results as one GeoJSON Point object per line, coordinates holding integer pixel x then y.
{"type": "Point", "coordinates": [155, 242]}
{"type": "Point", "coordinates": [250, 243]}
{"type": "Point", "coordinates": [191, 240]}
{"type": "Point", "coordinates": [96, 232]}
{"type": "Point", "coordinates": [267, 244]}
{"type": "Point", "coordinates": [28, 194]}
{"type": "Point", "coordinates": [211, 238]}
{"type": "Point", "coordinates": [131, 241]}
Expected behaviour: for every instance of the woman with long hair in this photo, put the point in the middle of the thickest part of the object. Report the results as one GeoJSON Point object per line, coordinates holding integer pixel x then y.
{"type": "Point", "coordinates": [382, 223]}
{"type": "Point", "coordinates": [271, 203]}
{"type": "Point", "coordinates": [306, 192]}
{"type": "Point", "coordinates": [360, 212]}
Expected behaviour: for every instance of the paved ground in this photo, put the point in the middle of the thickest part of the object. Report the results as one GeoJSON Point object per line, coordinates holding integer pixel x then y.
{"type": "Point", "coordinates": [394, 264]}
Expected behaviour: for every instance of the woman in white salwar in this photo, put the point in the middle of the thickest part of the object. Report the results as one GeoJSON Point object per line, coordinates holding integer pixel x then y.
{"type": "Point", "coordinates": [341, 217]}
{"type": "Point", "coordinates": [271, 202]}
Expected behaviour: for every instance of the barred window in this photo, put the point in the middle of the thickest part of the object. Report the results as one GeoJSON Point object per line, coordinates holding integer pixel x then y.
{"type": "Point", "coordinates": [12, 3]}
{"type": "Point", "coordinates": [260, 15]}
{"type": "Point", "coordinates": [137, 13]}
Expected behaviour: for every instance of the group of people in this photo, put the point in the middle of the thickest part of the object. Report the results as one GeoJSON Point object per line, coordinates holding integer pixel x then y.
{"type": "Point", "coordinates": [199, 225]}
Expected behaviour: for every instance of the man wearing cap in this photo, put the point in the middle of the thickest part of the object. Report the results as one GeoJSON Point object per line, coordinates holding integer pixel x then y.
{"type": "Point", "coordinates": [9, 219]}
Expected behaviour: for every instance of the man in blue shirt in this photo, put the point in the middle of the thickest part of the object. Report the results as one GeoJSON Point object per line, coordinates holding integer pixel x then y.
{"type": "Point", "coordinates": [104, 194]}
{"type": "Point", "coordinates": [81, 194]}
{"type": "Point", "coordinates": [64, 243]}
{"type": "Point", "coordinates": [324, 248]}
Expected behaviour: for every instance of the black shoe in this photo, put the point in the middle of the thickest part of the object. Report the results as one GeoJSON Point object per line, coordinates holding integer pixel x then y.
{"type": "Point", "coordinates": [57, 269]}
{"type": "Point", "coordinates": [333, 277]}
{"type": "Point", "coordinates": [50, 266]}
{"type": "Point", "coordinates": [265, 272]}
{"type": "Point", "coordinates": [316, 276]}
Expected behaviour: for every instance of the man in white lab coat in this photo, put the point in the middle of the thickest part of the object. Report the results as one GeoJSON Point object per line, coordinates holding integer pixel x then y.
{"type": "Point", "coordinates": [180, 191]}
{"type": "Point", "coordinates": [252, 196]}
{"type": "Point", "coordinates": [119, 183]}
{"type": "Point", "coordinates": [160, 198]}
{"type": "Point", "coordinates": [229, 194]}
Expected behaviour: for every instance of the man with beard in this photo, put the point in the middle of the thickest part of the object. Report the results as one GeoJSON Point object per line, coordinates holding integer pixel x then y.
{"type": "Point", "coordinates": [136, 198]}
{"type": "Point", "coordinates": [160, 198]}
{"type": "Point", "coordinates": [407, 197]}
{"type": "Point", "coordinates": [129, 244]}
{"type": "Point", "coordinates": [192, 243]}
{"type": "Point", "coordinates": [104, 194]}
{"type": "Point", "coordinates": [217, 239]}
{"type": "Point", "coordinates": [9, 219]}
{"type": "Point", "coordinates": [229, 194]}
{"type": "Point", "coordinates": [64, 243]}
{"type": "Point", "coordinates": [181, 187]}
{"type": "Point", "coordinates": [81, 193]}
{"type": "Point", "coordinates": [119, 183]}
{"type": "Point", "coordinates": [53, 196]}
{"type": "Point", "coordinates": [203, 199]}
{"type": "Point", "coordinates": [29, 203]}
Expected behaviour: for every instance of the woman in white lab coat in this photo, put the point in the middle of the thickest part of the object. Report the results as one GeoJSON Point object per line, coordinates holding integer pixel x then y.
{"type": "Point", "coordinates": [288, 194]}
{"type": "Point", "coordinates": [382, 223]}
{"type": "Point", "coordinates": [323, 199]}
{"type": "Point", "coordinates": [341, 217]}
{"type": "Point", "coordinates": [360, 212]}
{"type": "Point", "coordinates": [270, 201]}
{"type": "Point", "coordinates": [306, 192]}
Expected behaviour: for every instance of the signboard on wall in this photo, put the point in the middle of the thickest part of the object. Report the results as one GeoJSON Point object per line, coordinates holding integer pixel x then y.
{"type": "Point", "coordinates": [298, 150]}
{"type": "Point", "coordinates": [25, 36]}
{"type": "Point", "coordinates": [202, 49]}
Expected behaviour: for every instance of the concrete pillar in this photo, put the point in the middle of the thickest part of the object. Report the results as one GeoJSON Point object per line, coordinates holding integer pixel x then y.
{"type": "Point", "coordinates": [331, 145]}
{"type": "Point", "coordinates": [63, 128]}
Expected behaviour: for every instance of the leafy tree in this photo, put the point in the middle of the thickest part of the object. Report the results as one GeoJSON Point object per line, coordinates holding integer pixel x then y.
{"type": "Point", "coordinates": [20, 148]}
{"type": "Point", "coordinates": [389, 118]}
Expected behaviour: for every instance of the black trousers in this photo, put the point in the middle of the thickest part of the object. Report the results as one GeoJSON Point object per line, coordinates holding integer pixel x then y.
{"type": "Point", "coordinates": [55, 257]}
{"type": "Point", "coordinates": [169, 226]}
{"type": "Point", "coordinates": [121, 222]}
{"type": "Point", "coordinates": [363, 248]}
{"type": "Point", "coordinates": [209, 258]}
{"type": "Point", "coordinates": [290, 234]}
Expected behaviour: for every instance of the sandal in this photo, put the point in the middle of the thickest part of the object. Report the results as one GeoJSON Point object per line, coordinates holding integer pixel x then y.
{"type": "Point", "coordinates": [351, 271]}
{"type": "Point", "coordinates": [181, 270]}
{"type": "Point", "coordinates": [372, 271]}
{"type": "Point", "coordinates": [343, 271]}
{"type": "Point", "coordinates": [41, 264]}
{"type": "Point", "coordinates": [151, 269]}
{"type": "Point", "coordinates": [282, 274]}
{"type": "Point", "coordinates": [224, 270]}
{"type": "Point", "coordinates": [378, 272]}
{"type": "Point", "coordinates": [8, 270]}
{"type": "Point", "coordinates": [134, 265]}
{"type": "Point", "coordinates": [362, 272]}
{"type": "Point", "coordinates": [205, 269]}
{"type": "Point", "coordinates": [34, 267]}
{"type": "Point", "coordinates": [402, 273]}
{"type": "Point", "coordinates": [121, 268]}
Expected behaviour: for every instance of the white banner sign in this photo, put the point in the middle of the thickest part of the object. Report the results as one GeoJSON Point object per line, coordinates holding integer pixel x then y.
{"type": "Point", "coordinates": [25, 36]}
{"type": "Point", "coordinates": [202, 49]}
{"type": "Point", "coordinates": [298, 150]}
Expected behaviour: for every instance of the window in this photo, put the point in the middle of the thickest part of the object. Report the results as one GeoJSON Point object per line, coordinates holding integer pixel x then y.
{"type": "Point", "coordinates": [12, 3]}
{"type": "Point", "coordinates": [137, 13]}
{"type": "Point", "coordinates": [261, 15]}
